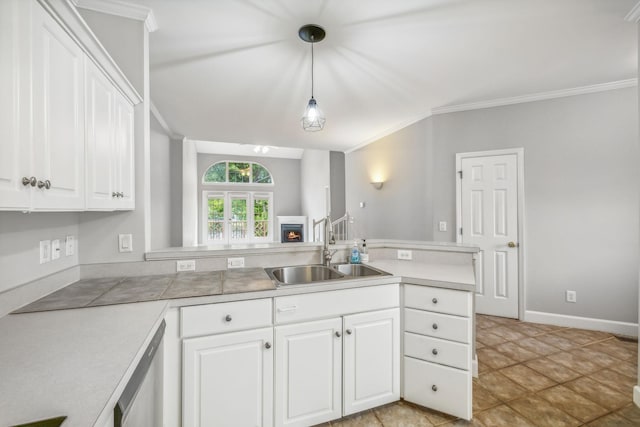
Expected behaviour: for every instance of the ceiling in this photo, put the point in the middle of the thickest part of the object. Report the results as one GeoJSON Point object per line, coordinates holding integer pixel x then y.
{"type": "Point", "coordinates": [236, 71]}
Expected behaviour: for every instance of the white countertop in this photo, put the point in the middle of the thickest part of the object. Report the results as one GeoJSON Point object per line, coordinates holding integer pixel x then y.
{"type": "Point", "coordinates": [453, 276]}
{"type": "Point", "coordinates": [71, 362]}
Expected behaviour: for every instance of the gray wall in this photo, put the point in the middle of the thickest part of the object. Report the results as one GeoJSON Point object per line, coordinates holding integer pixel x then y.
{"type": "Point", "coordinates": [175, 171]}
{"type": "Point", "coordinates": [337, 184]}
{"type": "Point", "coordinates": [161, 201]}
{"type": "Point", "coordinates": [20, 236]}
{"type": "Point", "coordinates": [314, 177]}
{"type": "Point", "coordinates": [402, 209]}
{"type": "Point", "coordinates": [286, 189]}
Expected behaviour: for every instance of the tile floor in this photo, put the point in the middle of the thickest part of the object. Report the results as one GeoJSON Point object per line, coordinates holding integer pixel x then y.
{"type": "Point", "coordinates": [535, 375]}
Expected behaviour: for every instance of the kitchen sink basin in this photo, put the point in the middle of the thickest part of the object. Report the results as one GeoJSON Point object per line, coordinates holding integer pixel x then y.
{"type": "Point", "coordinates": [302, 274]}
{"type": "Point", "coordinates": [359, 270]}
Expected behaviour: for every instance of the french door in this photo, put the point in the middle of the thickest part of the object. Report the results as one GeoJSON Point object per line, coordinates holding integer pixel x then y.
{"type": "Point", "coordinates": [237, 217]}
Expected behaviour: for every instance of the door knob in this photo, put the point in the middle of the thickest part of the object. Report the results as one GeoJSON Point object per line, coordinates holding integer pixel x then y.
{"type": "Point", "coordinates": [513, 244]}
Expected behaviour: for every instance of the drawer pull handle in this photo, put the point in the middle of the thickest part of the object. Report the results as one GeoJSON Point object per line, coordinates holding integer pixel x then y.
{"type": "Point", "coordinates": [284, 309]}
{"type": "Point", "coordinates": [267, 345]}
{"type": "Point", "coordinates": [435, 300]}
{"type": "Point", "coordinates": [435, 326]}
{"type": "Point", "coordinates": [349, 331]}
{"type": "Point", "coordinates": [434, 387]}
{"type": "Point", "coordinates": [434, 351]}
{"type": "Point", "coordinates": [228, 318]}
{"type": "Point", "coordinates": [338, 334]}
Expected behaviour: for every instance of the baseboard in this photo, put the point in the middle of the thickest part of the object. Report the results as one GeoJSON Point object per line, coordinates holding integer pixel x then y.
{"type": "Point", "coordinates": [636, 395]}
{"type": "Point", "coordinates": [612, 326]}
{"type": "Point", "coordinates": [474, 366]}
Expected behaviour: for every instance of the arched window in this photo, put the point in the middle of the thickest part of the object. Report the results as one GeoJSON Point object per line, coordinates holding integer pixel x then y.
{"type": "Point", "coordinates": [231, 172]}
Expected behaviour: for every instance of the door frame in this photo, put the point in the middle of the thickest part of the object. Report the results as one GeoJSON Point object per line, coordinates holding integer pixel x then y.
{"type": "Point", "coordinates": [519, 153]}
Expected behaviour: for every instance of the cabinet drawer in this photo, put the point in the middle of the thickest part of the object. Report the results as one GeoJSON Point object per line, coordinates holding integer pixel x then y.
{"type": "Point", "coordinates": [438, 387]}
{"type": "Point", "coordinates": [438, 325]}
{"type": "Point", "coordinates": [438, 351]}
{"type": "Point", "coordinates": [439, 300]}
{"type": "Point", "coordinates": [225, 317]}
{"type": "Point", "coordinates": [296, 308]}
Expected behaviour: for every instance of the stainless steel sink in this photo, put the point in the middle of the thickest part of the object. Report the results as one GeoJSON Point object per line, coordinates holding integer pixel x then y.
{"type": "Point", "coordinates": [302, 274]}
{"type": "Point", "coordinates": [359, 270]}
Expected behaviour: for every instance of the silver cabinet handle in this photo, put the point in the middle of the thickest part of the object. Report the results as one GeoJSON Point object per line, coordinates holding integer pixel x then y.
{"type": "Point", "coordinates": [434, 387]}
{"type": "Point", "coordinates": [29, 181]}
{"type": "Point", "coordinates": [434, 351]}
{"type": "Point", "coordinates": [349, 331]}
{"type": "Point", "coordinates": [435, 326]}
{"type": "Point", "coordinates": [228, 318]}
{"type": "Point", "coordinates": [338, 334]}
{"type": "Point", "coordinates": [267, 345]}
{"type": "Point", "coordinates": [435, 300]}
{"type": "Point", "coordinates": [284, 309]}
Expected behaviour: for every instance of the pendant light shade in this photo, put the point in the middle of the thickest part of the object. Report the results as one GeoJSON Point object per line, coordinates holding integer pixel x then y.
{"type": "Point", "coordinates": [313, 119]}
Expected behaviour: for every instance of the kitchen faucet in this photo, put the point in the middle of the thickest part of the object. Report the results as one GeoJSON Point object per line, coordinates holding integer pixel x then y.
{"type": "Point", "coordinates": [328, 235]}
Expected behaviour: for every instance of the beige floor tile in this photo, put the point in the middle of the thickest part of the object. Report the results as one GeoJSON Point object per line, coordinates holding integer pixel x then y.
{"type": "Point", "coordinates": [482, 398]}
{"type": "Point", "coordinates": [494, 359]}
{"type": "Point", "coordinates": [483, 367]}
{"type": "Point", "coordinates": [464, 423]}
{"type": "Point", "coordinates": [507, 333]}
{"type": "Point", "coordinates": [557, 341]}
{"type": "Point", "coordinates": [630, 412]}
{"type": "Point", "coordinates": [487, 338]}
{"type": "Point", "coordinates": [502, 416]}
{"type": "Point", "coordinates": [527, 377]}
{"type": "Point", "coordinates": [596, 335]}
{"type": "Point", "coordinates": [576, 363]}
{"type": "Point", "coordinates": [547, 328]}
{"type": "Point", "coordinates": [553, 370]}
{"type": "Point", "coordinates": [479, 345]}
{"type": "Point", "coordinates": [598, 357]}
{"type": "Point", "coordinates": [599, 393]}
{"type": "Point", "coordinates": [573, 403]}
{"type": "Point", "coordinates": [528, 329]}
{"type": "Point", "coordinates": [628, 368]}
{"type": "Point", "coordinates": [612, 420]}
{"type": "Point", "coordinates": [615, 348]}
{"type": "Point", "coordinates": [615, 380]}
{"type": "Point", "coordinates": [483, 322]}
{"type": "Point", "coordinates": [361, 419]}
{"type": "Point", "coordinates": [543, 413]}
{"type": "Point", "coordinates": [435, 417]}
{"type": "Point", "coordinates": [537, 346]}
{"type": "Point", "coordinates": [515, 352]}
{"type": "Point", "coordinates": [400, 414]}
{"type": "Point", "coordinates": [500, 386]}
{"type": "Point", "coordinates": [574, 335]}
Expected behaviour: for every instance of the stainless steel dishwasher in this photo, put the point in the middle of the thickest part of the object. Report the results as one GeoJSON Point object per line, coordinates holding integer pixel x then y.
{"type": "Point", "coordinates": [140, 404]}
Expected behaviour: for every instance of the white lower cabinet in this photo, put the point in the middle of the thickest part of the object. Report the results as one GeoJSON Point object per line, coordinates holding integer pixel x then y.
{"type": "Point", "coordinates": [228, 379]}
{"type": "Point", "coordinates": [308, 382]}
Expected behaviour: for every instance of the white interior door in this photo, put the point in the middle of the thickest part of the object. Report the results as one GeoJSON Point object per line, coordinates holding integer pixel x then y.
{"type": "Point", "coordinates": [489, 219]}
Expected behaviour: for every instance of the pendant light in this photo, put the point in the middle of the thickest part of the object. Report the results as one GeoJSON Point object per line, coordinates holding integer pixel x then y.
{"type": "Point", "coordinates": [313, 119]}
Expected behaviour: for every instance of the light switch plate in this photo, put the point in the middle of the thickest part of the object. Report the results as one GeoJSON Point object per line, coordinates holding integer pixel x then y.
{"type": "Point", "coordinates": [186, 265]}
{"type": "Point", "coordinates": [125, 243]}
{"type": "Point", "coordinates": [405, 254]}
{"type": "Point", "coordinates": [572, 296]}
{"type": "Point", "coordinates": [69, 245]}
{"type": "Point", "coordinates": [235, 262]}
{"type": "Point", "coordinates": [55, 249]}
{"type": "Point", "coordinates": [45, 251]}
{"type": "Point", "coordinates": [442, 226]}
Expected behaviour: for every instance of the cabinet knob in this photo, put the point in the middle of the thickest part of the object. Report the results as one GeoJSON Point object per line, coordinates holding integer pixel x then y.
{"type": "Point", "coordinates": [435, 300]}
{"type": "Point", "coordinates": [434, 387]}
{"type": "Point", "coordinates": [267, 345]}
{"type": "Point", "coordinates": [435, 326]}
{"type": "Point", "coordinates": [434, 351]}
{"type": "Point", "coordinates": [114, 194]}
{"type": "Point", "coordinates": [120, 194]}
{"type": "Point", "coordinates": [338, 334]}
{"type": "Point", "coordinates": [349, 331]}
{"type": "Point", "coordinates": [228, 318]}
{"type": "Point", "coordinates": [46, 184]}
{"type": "Point", "coordinates": [29, 181]}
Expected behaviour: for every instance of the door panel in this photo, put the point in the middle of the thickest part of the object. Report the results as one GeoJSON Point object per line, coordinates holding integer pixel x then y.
{"type": "Point", "coordinates": [489, 207]}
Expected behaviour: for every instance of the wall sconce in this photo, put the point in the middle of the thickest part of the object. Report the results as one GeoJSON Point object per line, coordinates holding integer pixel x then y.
{"type": "Point", "coordinates": [377, 185]}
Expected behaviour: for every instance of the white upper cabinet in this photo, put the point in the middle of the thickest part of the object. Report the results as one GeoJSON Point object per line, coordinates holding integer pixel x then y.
{"type": "Point", "coordinates": [124, 153]}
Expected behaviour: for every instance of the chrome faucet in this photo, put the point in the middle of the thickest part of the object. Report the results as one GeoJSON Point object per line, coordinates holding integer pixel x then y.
{"type": "Point", "coordinates": [328, 236]}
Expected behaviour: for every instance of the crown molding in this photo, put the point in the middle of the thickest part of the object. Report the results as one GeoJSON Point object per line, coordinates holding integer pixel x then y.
{"type": "Point", "coordinates": [620, 84]}
{"type": "Point", "coordinates": [388, 132]}
{"type": "Point", "coordinates": [634, 14]}
{"type": "Point", "coordinates": [120, 8]}
{"type": "Point", "coordinates": [163, 122]}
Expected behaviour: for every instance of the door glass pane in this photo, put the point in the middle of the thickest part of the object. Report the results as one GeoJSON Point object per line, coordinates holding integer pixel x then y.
{"type": "Point", "coordinates": [215, 218]}
{"type": "Point", "coordinates": [238, 219]}
{"type": "Point", "coordinates": [261, 217]}
{"type": "Point", "coordinates": [260, 174]}
{"type": "Point", "coordinates": [239, 172]}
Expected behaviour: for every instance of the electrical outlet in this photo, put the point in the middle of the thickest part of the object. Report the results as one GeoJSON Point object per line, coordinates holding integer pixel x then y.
{"type": "Point", "coordinates": [405, 254]}
{"type": "Point", "coordinates": [45, 251]}
{"type": "Point", "coordinates": [186, 265]}
{"type": "Point", "coordinates": [69, 245]}
{"type": "Point", "coordinates": [125, 243]}
{"type": "Point", "coordinates": [442, 226]}
{"type": "Point", "coordinates": [55, 249]}
{"type": "Point", "coordinates": [235, 262]}
{"type": "Point", "coordinates": [571, 296]}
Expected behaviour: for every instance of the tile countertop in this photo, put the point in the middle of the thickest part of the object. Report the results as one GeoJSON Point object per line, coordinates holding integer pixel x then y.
{"type": "Point", "coordinates": [452, 276]}
{"type": "Point", "coordinates": [71, 362]}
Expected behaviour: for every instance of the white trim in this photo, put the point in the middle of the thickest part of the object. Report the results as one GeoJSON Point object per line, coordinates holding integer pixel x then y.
{"type": "Point", "coordinates": [612, 326]}
{"type": "Point", "coordinates": [636, 395]}
{"type": "Point", "coordinates": [162, 121]}
{"type": "Point", "coordinates": [519, 152]}
{"type": "Point", "coordinates": [537, 96]}
{"type": "Point", "coordinates": [634, 14]}
{"type": "Point", "coordinates": [389, 131]}
{"type": "Point", "coordinates": [119, 8]}
{"type": "Point", "coordinates": [474, 366]}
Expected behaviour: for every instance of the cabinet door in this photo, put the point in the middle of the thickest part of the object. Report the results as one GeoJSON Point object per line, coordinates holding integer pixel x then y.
{"type": "Point", "coordinates": [100, 122]}
{"type": "Point", "coordinates": [371, 360]}
{"type": "Point", "coordinates": [124, 147]}
{"type": "Point", "coordinates": [15, 140]}
{"type": "Point", "coordinates": [308, 373]}
{"type": "Point", "coordinates": [58, 115]}
{"type": "Point", "coordinates": [228, 379]}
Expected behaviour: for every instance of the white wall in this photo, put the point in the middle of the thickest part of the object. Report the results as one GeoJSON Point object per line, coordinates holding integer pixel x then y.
{"type": "Point", "coordinates": [161, 201]}
{"type": "Point", "coordinates": [314, 179]}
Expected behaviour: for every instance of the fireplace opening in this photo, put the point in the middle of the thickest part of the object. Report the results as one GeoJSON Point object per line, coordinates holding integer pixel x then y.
{"type": "Point", "coordinates": [292, 233]}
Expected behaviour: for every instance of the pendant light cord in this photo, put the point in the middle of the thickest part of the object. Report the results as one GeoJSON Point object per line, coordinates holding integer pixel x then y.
{"type": "Point", "coordinates": [312, 41]}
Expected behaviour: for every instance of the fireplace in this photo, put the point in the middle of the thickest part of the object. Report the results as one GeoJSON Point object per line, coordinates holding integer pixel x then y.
{"type": "Point", "coordinates": [292, 233]}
